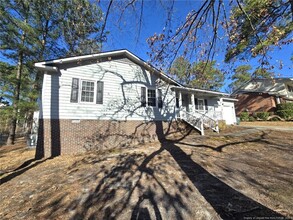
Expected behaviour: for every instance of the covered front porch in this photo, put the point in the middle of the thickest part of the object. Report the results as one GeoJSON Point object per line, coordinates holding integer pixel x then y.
{"type": "Point", "coordinates": [200, 108]}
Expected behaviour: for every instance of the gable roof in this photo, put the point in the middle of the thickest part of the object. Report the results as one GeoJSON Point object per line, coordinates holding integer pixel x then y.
{"type": "Point", "coordinates": [52, 65]}
{"type": "Point", "coordinates": [272, 86]}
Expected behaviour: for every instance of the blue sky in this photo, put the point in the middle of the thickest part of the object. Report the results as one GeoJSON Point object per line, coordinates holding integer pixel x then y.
{"type": "Point", "coordinates": [125, 35]}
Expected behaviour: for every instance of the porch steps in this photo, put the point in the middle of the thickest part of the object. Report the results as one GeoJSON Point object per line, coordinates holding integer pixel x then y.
{"type": "Point", "coordinates": [199, 123]}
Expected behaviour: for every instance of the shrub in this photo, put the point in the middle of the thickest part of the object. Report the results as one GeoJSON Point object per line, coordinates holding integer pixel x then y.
{"type": "Point", "coordinates": [285, 110]}
{"type": "Point", "coordinates": [286, 114]}
{"type": "Point", "coordinates": [285, 106]}
{"type": "Point", "coordinates": [251, 118]}
{"type": "Point", "coordinates": [263, 115]}
{"type": "Point", "coordinates": [244, 116]}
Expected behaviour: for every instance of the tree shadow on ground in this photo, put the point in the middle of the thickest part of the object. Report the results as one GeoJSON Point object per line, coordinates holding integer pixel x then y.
{"type": "Point", "coordinates": [140, 212]}
{"type": "Point", "coordinates": [221, 147]}
{"type": "Point", "coordinates": [134, 183]}
{"type": "Point", "coordinates": [27, 165]}
{"type": "Point", "coordinates": [228, 202]}
{"type": "Point", "coordinates": [137, 185]}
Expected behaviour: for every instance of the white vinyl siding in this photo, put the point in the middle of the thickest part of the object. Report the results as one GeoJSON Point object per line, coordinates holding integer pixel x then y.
{"type": "Point", "coordinates": [122, 84]}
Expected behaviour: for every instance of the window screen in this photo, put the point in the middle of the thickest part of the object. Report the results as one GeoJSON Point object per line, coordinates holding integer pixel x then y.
{"type": "Point", "coordinates": [87, 91]}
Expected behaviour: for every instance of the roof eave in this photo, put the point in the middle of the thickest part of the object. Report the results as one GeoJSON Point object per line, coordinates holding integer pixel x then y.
{"type": "Point", "coordinates": [44, 67]}
{"type": "Point", "coordinates": [47, 65]}
{"type": "Point", "coordinates": [83, 57]}
{"type": "Point", "coordinates": [201, 90]}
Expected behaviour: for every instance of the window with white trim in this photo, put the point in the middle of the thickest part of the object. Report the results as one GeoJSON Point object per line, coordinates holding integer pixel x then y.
{"type": "Point", "coordinates": [86, 91]}
{"type": "Point", "coordinates": [201, 104]}
{"type": "Point", "coordinates": [152, 97]}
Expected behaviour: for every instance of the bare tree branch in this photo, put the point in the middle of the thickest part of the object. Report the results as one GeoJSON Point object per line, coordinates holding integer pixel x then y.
{"type": "Point", "coordinates": [106, 18]}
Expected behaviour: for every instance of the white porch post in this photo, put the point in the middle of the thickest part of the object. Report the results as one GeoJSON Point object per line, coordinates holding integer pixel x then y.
{"type": "Point", "coordinates": [192, 102]}
{"type": "Point", "coordinates": [180, 104]}
{"type": "Point", "coordinates": [222, 108]}
{"type": "Point", "coordinates": [180, 99]}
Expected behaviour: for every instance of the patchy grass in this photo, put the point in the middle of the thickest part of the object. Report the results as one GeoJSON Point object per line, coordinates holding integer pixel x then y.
{"type": "Point", "coordinates": [242, 173]}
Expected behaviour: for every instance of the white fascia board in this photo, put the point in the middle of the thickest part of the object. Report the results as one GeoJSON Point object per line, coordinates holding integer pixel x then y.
{"type": "Point", "coordinates": [77, 58]}
{"type": "Point", "coordinates": [200, 90]}
{"type": "Point", "coordinates": [230, 99]}
{"type": "Point", "coordinates": [43, 66]}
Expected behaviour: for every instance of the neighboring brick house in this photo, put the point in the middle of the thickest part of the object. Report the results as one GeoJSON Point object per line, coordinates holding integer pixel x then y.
{"type": "Point", "coordinates": [115, 98]}
{"type": "Point", "coordinates": [262, 95]}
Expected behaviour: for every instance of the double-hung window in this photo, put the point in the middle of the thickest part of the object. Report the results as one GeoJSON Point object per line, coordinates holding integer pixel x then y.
{"type": "Point", "coordinates": [89, 91]}
{"type": "Point", "coordinates": [151, 97]}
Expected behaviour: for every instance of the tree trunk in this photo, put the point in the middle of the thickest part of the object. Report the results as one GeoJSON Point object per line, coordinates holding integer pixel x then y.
{"type": "Point", "coordinates": [13, 121]}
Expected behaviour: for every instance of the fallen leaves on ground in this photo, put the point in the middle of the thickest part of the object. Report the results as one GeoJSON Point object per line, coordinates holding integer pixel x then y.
{"type": "Point", "coordinates": [244, 173]}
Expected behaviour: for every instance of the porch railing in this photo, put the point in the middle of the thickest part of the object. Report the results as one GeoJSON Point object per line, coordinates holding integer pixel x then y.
{"type": "Point", "coordinates": [195, 122]}
{"type": "Point", "coordinates": [199, 121]}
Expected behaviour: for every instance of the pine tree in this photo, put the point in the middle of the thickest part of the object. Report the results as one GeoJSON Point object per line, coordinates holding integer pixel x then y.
{"type": "Point", "coordinates": [242, 74]}
{"type": "Point", "coordinates": [203, 75]}
{"type": "Point", "coordinates": [34, 30]}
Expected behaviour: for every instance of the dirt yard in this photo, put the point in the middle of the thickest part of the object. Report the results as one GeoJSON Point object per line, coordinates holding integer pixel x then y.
{"type": "Point", "coordinates": [284, 124]}
{"type": "Point", "coordinates": [239, 174]}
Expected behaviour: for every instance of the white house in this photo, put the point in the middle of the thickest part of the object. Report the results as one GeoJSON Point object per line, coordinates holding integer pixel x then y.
{"type": "Point", "coordinates": [115, 98]}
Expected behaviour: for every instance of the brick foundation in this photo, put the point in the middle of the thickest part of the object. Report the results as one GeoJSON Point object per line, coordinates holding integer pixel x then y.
{"type": "Point", "coordinates": [58, 137]}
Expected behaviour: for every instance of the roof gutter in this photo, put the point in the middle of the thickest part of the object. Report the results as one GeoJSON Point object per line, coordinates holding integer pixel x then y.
{"type": "Point", "coordinates": [43, 66]}
{"type": "Point", "coordinates": [230, 99]}
{"type": "Point", "coordinates": [200, 90]}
